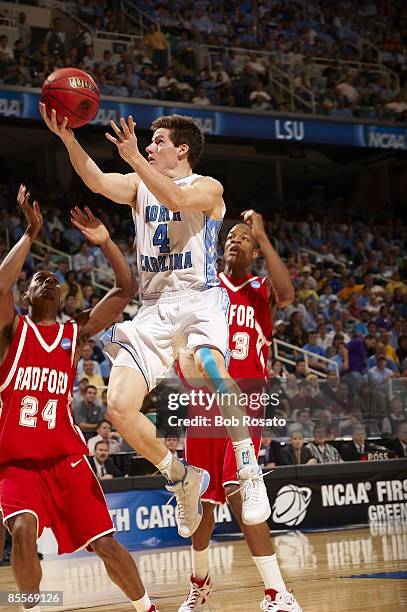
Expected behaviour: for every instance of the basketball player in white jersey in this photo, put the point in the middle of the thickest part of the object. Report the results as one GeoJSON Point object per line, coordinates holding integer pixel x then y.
{"type": "Point", "coordinates": [177, 216]}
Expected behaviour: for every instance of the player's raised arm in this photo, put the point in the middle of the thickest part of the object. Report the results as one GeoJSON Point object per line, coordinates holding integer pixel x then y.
{"type": "Point", "coordinates": [120, 188]}
{"type": "Point", "coordinates": [278, 272]}
{"type": "Point", "coordinates": [204, 194]}
{"type": "Point", "coordinates": [114, 302]}
{"type": "Point", "coordinates": [12, 264]}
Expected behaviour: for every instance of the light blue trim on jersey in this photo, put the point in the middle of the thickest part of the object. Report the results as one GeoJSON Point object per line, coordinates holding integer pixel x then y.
{"type": "Point", "coordinates": [225, 303]}
{"type": "Point", "coordinates": [211, 233]}
{"type": "Point", "coordinates": [209, 363]}
{"type": "Point", "coordinates": [109, 338]}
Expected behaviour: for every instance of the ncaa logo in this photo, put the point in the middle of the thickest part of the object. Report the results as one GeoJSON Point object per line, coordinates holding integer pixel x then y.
{"type": "Point", "coordinates": [290, 505]}
{"type": "Point", "coordinates": [66, 343]}
{"type": "Point", "coordinates": [255, 284]}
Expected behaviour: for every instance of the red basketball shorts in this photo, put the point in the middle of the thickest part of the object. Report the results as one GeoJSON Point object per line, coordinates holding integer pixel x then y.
{"type": "Point", "coordinates": [217, 456]}
{"type": "Point", "coordinates": [63, 494]}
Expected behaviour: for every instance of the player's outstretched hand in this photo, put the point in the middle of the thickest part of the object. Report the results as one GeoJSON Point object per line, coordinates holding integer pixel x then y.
{"type": "Point", "coordinates": [126, 139]}
{"type": "Point", "coordinates": [255, 221]}
{"type": "Point", "coordinates": [31, 212]}
{"type": "Point", "coordinates": [90, 226]}
{"type": "Point", "coordinates": [60, 130]}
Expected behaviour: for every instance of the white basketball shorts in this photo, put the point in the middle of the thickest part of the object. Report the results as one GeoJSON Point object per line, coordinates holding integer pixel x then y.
{"type": "Point", "coordinates": [166, 327]}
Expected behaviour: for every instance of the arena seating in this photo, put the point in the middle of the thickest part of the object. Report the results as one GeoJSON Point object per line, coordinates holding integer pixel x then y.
{"type": "Point", "coordinates": [350, 310]}
{"type": "Point", "coordinates": [309, 57]}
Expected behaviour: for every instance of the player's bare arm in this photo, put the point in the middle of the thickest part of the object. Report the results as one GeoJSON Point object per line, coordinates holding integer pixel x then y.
{"type": "Point", "coordinates": [115, 301]}
{"type": "Point", "coordinates": [204, 194]}
{"type": "Point", "coordinates": [120, 188]}
{"type": "Point", "coordinates": [282, 293]}
{"type": "Point", "coordinates": [12, 265]}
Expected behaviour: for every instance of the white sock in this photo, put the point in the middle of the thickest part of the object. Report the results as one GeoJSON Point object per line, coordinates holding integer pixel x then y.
{"type": "Point", "coordinates": [270, 572]}
{"type": "Point", "coordinates": [171, 467]}
{"type": "Point", "coordinates": [200, 563]}
{"type": "Point", "coordinates": [143, 604]}
{"type": "Point", "coordinates": [244, 453]}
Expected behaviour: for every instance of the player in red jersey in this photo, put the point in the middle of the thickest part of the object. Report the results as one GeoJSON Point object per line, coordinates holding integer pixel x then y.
{"type": "Point", "coordinates": [45, 479]}
{"type": "Point", "coordinates": [253, 301]}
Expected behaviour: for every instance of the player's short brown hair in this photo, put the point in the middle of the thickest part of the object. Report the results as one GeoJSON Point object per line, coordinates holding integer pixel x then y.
{"type": "Point", "coordinates": [183, 130]}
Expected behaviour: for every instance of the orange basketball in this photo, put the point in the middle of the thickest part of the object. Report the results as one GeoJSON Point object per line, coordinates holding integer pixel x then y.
{"type": "Point", "coordinates": [71, 93]}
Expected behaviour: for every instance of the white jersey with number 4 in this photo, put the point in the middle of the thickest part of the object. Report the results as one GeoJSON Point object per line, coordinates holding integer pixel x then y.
{"type": "Point", "coordinates": [176, 251]}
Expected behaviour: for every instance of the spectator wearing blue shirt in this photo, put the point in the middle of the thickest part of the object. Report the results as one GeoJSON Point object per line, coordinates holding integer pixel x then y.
{"type": "Point", "coordinates": [360, 327]}
{"type": "Point", "coordinates": [379, 374]}
{"type": "Point", "coordinates": [313, 347]}
{"type": "Point", "coordinates": [381, 352]}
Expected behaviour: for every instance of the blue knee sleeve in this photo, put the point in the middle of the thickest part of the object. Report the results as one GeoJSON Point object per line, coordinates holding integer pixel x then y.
{"type": "Point", "coordinates": [211, 369]}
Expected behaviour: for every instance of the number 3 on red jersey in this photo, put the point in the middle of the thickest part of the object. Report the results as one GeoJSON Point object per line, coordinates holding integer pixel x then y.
{"type": "Point", "coordinates": [241, 349]}
{"type": "Point", "coordinates": [29, 409]}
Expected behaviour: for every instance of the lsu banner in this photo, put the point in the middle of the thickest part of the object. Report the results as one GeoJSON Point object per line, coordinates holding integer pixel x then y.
{"type": "Point", "coordinates": [144, 518]}
{"type": "Point", "coordinates": [22, 103]}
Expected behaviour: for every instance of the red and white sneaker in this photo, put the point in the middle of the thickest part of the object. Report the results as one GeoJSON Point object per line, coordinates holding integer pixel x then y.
{"type": "Point", "coordinates": [199, 593]}
{"type": "Point", "coordinates": [153, 608]}
{"type": "Point", "coordinates": [279, 601]}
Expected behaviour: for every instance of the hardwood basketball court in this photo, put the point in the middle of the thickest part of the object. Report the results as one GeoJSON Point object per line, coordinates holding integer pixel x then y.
{"type": "Point", "coordinates": [318, 566]}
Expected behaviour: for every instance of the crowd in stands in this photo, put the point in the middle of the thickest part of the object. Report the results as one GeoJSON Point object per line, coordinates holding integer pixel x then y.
{"type": "Point", "coordinates": [342, 361]}
{"type": "Point", "coordinates": [172, 60]}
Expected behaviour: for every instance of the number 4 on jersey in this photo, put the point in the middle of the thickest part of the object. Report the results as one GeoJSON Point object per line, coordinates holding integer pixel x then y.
{"type": "Point", "coordinates": [161, 239]}
{"type": "Point", "coordinates": [29, 408]}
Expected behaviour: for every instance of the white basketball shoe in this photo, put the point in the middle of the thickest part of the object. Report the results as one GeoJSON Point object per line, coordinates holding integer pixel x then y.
{"type": "Point", "coordinates": [200, 592]}
{"type": "Point", "coordinates": [279, 601]}
{"type": "Point", "coordinates": [188, 493]}
{"type": "Point", "coordinates": [255, 502]}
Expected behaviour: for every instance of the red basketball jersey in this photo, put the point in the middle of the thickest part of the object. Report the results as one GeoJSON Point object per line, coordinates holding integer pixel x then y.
{"type": "Point", "coordinates": [250, 325]}
{"type": "Point", "coordinates": [36, 384]}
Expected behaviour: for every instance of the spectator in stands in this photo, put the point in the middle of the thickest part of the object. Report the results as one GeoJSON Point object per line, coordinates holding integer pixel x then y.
{"type": "Point", "coordinates": [296, 453]}
{"type": "Point", "coordinates": [81, 40]}
{"type": "Point", "coordinates": [6, 52]}
{"type": "Point", "coordinates": [104, 433]}
{"type": "Point", "coordinates": [118, 89]}
{"type": "Point", "coordinates": [390, 353]}
{"type": "Point", "coordinates": [79, 396]}
{"type": "Point", "coordinates": [401, 351]}
{"type": "Point", "coordinates": [24, 32]}
{"type": "Point", "coordinates": [312, 347]}
{"type": "Point", "coordinates": [320, 449]}
{"type": "Point", "coordinates": [291, 387]}
{"type": "Point", "coordinates": [277, 371]}
{"type": "Point", "coordinates": [89, 412]}
{"type": "Point", "coordinates": [304, 421]}
{"type": "Point", "coordinates": [56, 37]}
{"type": "Point", "coordinates": [350, 288]}
{"type": "Point", "coordinates": [399, 444]}
{"type": "Point", "coordinates": [301, 370]}
{"type": "Point", "coordinates": [395, 417]}
{"type": "Point", "coordinates": [171, 441]}
{"type": "Point", "coordinates": [84, 261]}
{"type": "Point", "coordinates": [269, 453]}
{"type": "Point", "coordinates": [323, 340]}
{"type": "Point", "coordinates": [157, 45]}
{"type": "Point", "coordinates": [380, 351]}
{"type": "Point", "coordinates": [95, 380]}
{"type": "Point", "coordinates": [200, 98]}
{"type": "Point", "coordinates": [357, 362]}
{"type": "Point", "coordinates": [338, 329]}
{"type": "Point", "coordinates": [379, 374]}
{"type": "Point", "coordinates": [87, 355]}
{"type": "Point", "coordinates": [101, 463]}
{"type": "Point", "coordinates": [352, 451]}
{"type": "Point", "coordinates": [62, 270]}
